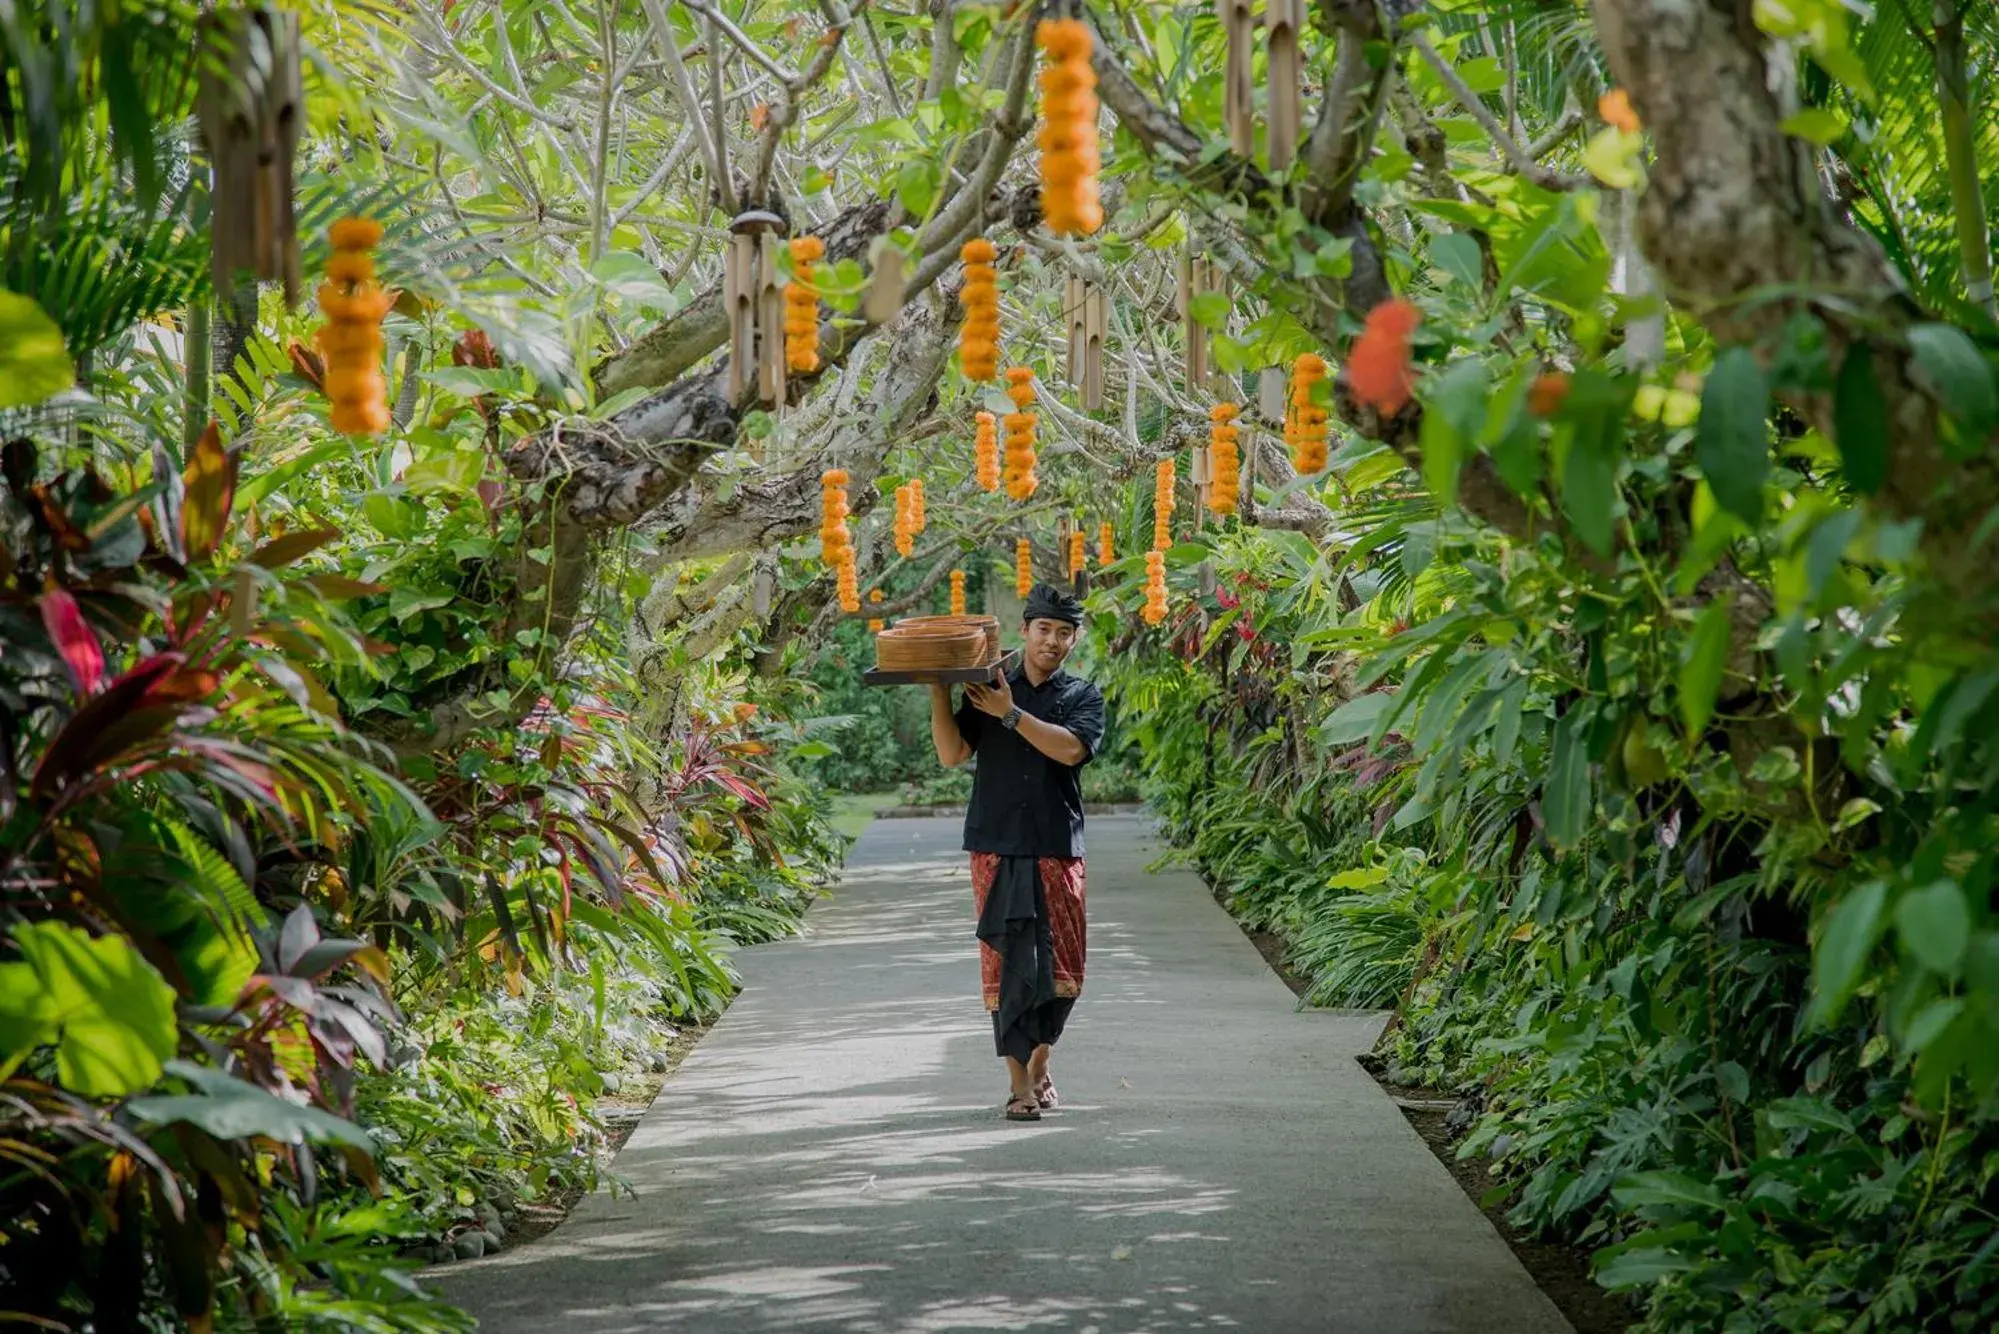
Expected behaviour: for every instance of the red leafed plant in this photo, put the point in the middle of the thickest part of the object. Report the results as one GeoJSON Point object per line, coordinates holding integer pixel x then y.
{"type": "Point", "coordinates": [172, 1013]}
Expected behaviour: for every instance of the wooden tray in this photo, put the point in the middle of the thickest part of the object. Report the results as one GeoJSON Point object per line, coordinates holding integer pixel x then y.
{"type": "Point", "coordinates": [945, 676]}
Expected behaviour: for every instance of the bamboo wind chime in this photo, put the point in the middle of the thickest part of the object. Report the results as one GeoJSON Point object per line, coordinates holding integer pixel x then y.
{"type": "Point", "coordinates": [1283, 71]}
{"type": "Point", "coordinates": [1088, 312]}
{"type": "Point", "coordinates": [1284, 66]}
{"type": "Point", "coordinates": [755, 301]}
{"type": "Point", "coordinates": [1198, 277]}
{"type": "Point", "coordinates": [251, 109]}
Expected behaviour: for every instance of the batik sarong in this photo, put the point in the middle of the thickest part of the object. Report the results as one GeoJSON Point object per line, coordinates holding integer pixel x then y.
{"type": "Point", "coordinates": [1032, 942]}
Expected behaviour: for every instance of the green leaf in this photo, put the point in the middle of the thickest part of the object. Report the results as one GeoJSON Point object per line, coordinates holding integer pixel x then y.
{"type": "Point", "coordinates": [1733, 447]}
{"type": "Point", "coordinates": [1934, 926]}
{"type": "Point", "coordinates": [109, 1013]}
{"type": "Point", "coordinates": [231, 1109]}
{"type": "Point", "coordinates": [1641, 1267]}
{"type": "Point", "coordinates": [1354, 720]}
{"type": "Point", "coordinates": [916, 185]}
{"type": "Point", "coordinates": [1454, 411]}
{"type": "Point", "coordinates": [1457, 254]}
{"type": "Point", "coordinates": [1950, 363]}
{"type": "Point", "coordinates": [1703, 659]}
{"type": "Point", "coordinates": [632, 277]}
{"type": "Point", "coordinates": [34, 364]}
{"type": "Point", "coordinates": [1565, 800]}
{"type": "Point", "coordinates": [1210, 310]}
{"type": "Point", "coordinates": [1850, 932]}
{"type": "Point", "coordinates": [1675, 1188]}
{"type": "Point", "coordinates": [1589, 488]}
{"type": "Point", "coordinates": [1819, 125]}
{"type": "Point", "coordinates": [1860, 421]}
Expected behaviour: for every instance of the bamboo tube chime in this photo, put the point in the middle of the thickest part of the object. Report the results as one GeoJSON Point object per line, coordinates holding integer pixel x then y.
{"type": "Point", "coordinates": [1088, 313]}
{"type": "Point", "coordinates": [251, 108]}
{"type": "Point", "coordinates": [1238, 74]}
{"type": "Point", "coordinates": [1198, 276]}
{"type": "Point", "coordinates": [1284, 24]}
{"type": "Point", "coordinates": [755, 301]}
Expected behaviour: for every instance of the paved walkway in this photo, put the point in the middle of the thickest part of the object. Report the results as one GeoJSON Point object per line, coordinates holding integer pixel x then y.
{"type": "Point", "coordinates": [832, 1156]}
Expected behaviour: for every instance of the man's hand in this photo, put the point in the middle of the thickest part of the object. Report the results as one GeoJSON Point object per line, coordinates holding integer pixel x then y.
{"type": "Point", "coordinates": [993, 700]}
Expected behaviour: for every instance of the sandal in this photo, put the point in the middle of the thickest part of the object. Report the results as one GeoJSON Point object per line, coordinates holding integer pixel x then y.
{"type": "Point", "coordinates": [1022, 1109]}
{"type": "Point", "coordinates": [1046, 1096]}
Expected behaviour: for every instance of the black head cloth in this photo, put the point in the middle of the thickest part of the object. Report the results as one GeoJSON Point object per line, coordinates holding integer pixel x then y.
{"type": "Point", "coordinates": [1049, 603]}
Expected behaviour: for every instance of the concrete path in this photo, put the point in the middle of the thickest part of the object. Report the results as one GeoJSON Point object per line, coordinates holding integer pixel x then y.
{"type": "Point", "coordinates": [832, 1156]}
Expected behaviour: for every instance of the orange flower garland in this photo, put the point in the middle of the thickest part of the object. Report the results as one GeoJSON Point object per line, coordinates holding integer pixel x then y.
{"type": "Point", "coordinates": [957, 592]}
{"type": "Point", "coordinates": [1305, 423]}
{"type": "Point", "coordinates": [875, 624]}
{"type": "Point", "coordinates": [836, 544]}
{"type": "Point", "coordinates": [905, 521]}
{"type": "Point", "coordinates": [988, 452]}
{"type": "Point", "coordinates": [1155, 588]}
{"type": "Point", "coordinates": [1162, 506]}
{"type": "Point", "coordinates": [978, 338]}
{"type": "Point", "coordinates": [1105, 556]}
{"type": "Point", "coordinates": [1070, 158]}
{"type": "Point", "coordinates": [1226, 484]}
{"type": "Point", "coordinates": [1615, 108]}
{"type": "Point", "coordinates": [1023, 567]}
{"type": "Point", "coordinates": [916, 510]}
{"type": "Point", "coordinates": [351, 339]}
{"type": "Point", "coordinates": [1378, 363]}
{"type": "Point", "coordinates": [801, 307]}
{"type": "Point", "coordinates": [1078, 553]}
{"type": "Point", "coordinates": [1020, 479]}
{"type": "Point", "coordinates": [874, 595]}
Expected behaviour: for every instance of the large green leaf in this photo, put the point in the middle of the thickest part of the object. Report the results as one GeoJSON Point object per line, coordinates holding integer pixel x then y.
{"type": "Point", "coordinates": [1733, 447]}
{"type": "Point", "coordinates": [1704, 658]}
{"type": "Point", "coordinates": [1860, 421]}
{"type": "Point", "coordinates": [230, 1109]}
{"type": "Point", "coordinates": [1565, 801]}
{"type": "Point", "coordinates": [108, 1013]}
{"type": "Point", "coordinates": [1934, 925]}
{"type": "Point", "coordinates": [1851, 929]}
{"type": "Point", "coordinates": [34, 364]}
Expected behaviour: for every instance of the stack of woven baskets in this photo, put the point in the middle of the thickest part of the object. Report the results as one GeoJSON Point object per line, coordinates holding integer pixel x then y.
{"type": "Point", "coordinates": [938, 643]}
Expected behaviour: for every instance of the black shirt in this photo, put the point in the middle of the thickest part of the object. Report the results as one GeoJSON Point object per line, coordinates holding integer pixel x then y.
{"type": "Point", "coordinates": [1023, 803]}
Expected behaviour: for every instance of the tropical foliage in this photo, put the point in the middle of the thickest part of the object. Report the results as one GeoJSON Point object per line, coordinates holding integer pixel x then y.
{"type": "Point", "coordinates": [1613, 696]}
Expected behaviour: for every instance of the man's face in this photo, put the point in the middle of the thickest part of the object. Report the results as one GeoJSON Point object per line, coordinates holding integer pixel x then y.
{"type": "Point", "coordinates": [1048, 642]}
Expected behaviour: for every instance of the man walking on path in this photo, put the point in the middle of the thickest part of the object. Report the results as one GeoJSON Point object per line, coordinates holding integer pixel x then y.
{"type": "Point", "coordinates": [1033, 731]}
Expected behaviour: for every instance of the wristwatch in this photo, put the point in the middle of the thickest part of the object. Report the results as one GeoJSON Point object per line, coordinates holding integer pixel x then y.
{"type": "Point", "coordinates": [1011, 719]}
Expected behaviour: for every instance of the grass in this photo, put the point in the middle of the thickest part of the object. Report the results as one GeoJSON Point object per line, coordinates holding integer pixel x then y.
{"type": "Point", "coordinates": [855, 811]}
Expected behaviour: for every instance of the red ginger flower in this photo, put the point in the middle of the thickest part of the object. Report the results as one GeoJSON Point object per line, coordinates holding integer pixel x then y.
{"type": "Point", "coordinates": [1378, 363]}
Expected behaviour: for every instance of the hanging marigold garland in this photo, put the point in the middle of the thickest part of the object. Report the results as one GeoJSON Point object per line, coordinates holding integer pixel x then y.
{"type": "Point", "coordinates": [988, 452]}
{"type": "Point", "coordinates": [875, 595]}
{"type": "Point", "coordinates": [1162, 506]}
{"type": "Point", "coordinates": [1023, 567]}
{"type": "Point", "coordinates": [836, 544]}
{"type": "Point", "coordinates": [801, 307]}
{"type": "Point", "coordinates": [1078, 553]}
{"type": "Point", "coordinates": [905, 521]}
{"type": "Point", "coordinates": [1155, 587]}
{"type": "Point", "coordinates": [1225, 486]}
{"type": "Point", "coordinates": [957, 592]}
{"type": "Point", "coordinates": [1070, 157]}
{"type": "Point", "coordinates": [875, 625]}
{"type": "Point", "coordinates": [351, 339]}
{"type": "Point", "coordinates": [1105, 554]}
{"type": "Point", "coordinates": [1305, 422]}
{"type": "Point", "coordinates": [1020, 479]}
{"type": "Point", "coordinates": [1378, 369]}
{"type": "Point", "coordinates": [978, 338]}
{"type": "Point", "coordinates": [918, 516]}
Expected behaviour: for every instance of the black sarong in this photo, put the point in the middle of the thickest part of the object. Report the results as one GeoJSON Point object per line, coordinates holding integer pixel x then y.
{"type": "Point", "coordinates": [1015, 924]}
